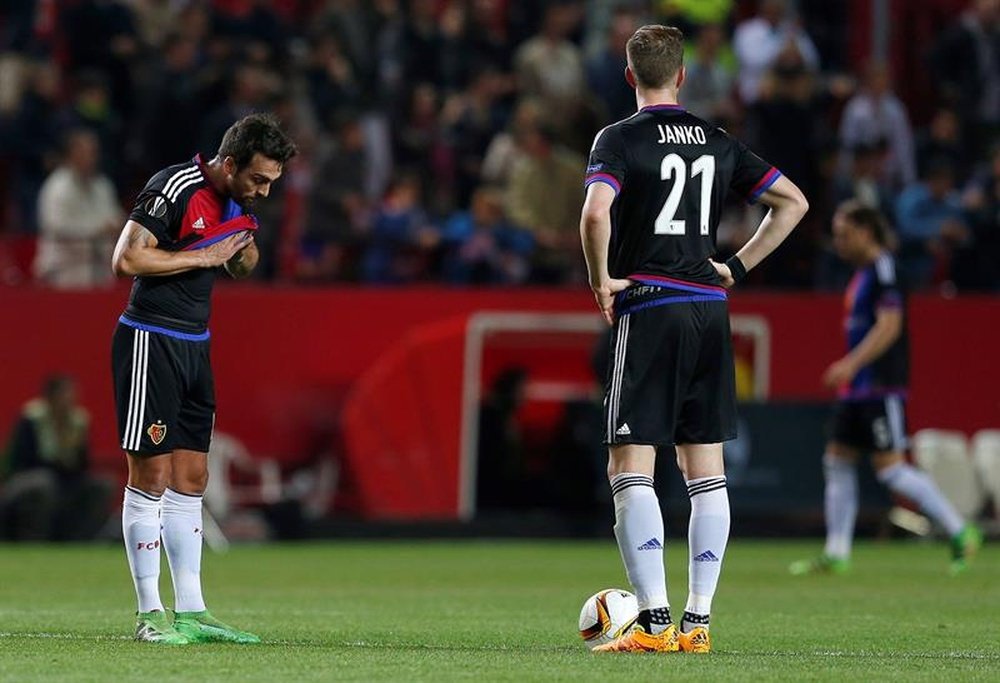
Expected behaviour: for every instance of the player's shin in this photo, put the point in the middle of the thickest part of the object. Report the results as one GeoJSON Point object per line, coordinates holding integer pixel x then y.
{"type": "Point", "coordinates": [182, 538]}
{"type": "Point", "coordinates": [708, 535]}
{"type": "Point", "coordinates": [906, 480]}
{"type": "Point", "coordinates": [840, 505]}
{"type": "Point", "coordinates": [639, 531]}
{"type": "Point", "coordinates": [141, 530]}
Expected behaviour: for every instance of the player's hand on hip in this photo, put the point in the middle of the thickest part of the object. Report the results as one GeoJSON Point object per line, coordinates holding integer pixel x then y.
{"type": "Point", "coordinates": [222, 251]}
{"type": "Point", "coordinates": [723, 270]}
{"type": "Point", "coordinates": [839, 373]}
{"type": "Point", "coordinates": [605, 295]}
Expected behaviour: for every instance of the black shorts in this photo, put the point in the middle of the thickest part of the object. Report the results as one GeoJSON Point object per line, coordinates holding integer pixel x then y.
{"type": "Point", "coordinates": [164, 391]}
{"type": "Point", "coordinates": [670, 377]}
{"type": "Point", "coordinates": [877, 424]}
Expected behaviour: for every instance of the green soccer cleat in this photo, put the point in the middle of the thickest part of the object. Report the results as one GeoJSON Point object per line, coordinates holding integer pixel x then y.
{"type": "Point", "coordinates": [153, 627]}
{"type": "Point", "coordinates": [202, 627]}
{"type": "Point", "coordinates": [824, 564]}
{"type": "Point", "coordinates": [964, 546]}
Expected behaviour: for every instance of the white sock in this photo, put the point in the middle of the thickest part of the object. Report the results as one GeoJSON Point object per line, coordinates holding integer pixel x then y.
{"type": "Point", "coordinates": [907, 480]}
{"type": "Point", "coordinates": [841, 502]}
{"type": "Point", "coordinates": [141, 529]}
{"type": "Point", "coordinates": [708, 534]}
{"type": "Point", "coordinates": [639, 530]}
{"type": "Point", "coordinates": [182, 536]}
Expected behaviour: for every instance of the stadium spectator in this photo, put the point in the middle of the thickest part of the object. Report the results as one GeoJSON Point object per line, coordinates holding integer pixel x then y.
{"type": "Point", "coordinates": [759, 42]}
{"type": "Point", "coordinates": [942, 139]}
{"type": "Point", "coordinates": [548, 65]}
{"type": "Point", "coordinates": [708, 86]}
{"type": "Point", "coordinates": [402, 240]}
{"type": "Point", "coordinates": [331, 79]}
{"type": "Point", "coordinates": [174, 100]}
{"type": "Point", "coordinates": [482, 247]}
{"type": "Point", "coordinates": [468, 121]}
{"type": "Point", "coordinates": [32, 135]}
{"type": "Point", "coordinates": [79, 219]}
{"type": "Point", "coordinates": [544, 197]}
{"type": "Point", "coordinates": [48, 492]}
{"type": "Point", "coordinates": [250, 87]}
{"type": "Point", "coordinates": [93, 108]}
{"type": "Point", "coordinates": [982, 205]}
{"type": "Point", "coordinates": [101, 36]}
{"type": "Point", "coordinates": [931, 224]}
{"type": "Point", "coordinates": [505, 149]}
{"type": "Point", "coordinates": [865, 179]}
{"type": "Point", "coordinates": [606, 70]}
{"type": "Point", "coordinates": [966, 65]}
{"type": "Point", "coordinates": [337, 210]}
{"type": "Point", "coordinates": [692, 15]}
{"type": "Point", "coordinates": [875, 114]}
{"type": "Point", "coordinates": [785, 122]}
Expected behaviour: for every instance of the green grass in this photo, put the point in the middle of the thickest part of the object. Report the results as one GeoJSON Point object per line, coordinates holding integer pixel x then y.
{"type": "Point", "coordinates": [495, 611]}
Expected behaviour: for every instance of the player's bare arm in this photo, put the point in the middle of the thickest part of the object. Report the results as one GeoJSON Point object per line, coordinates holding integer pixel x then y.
{"type": "Point", "coordinates": [243, 262]}
{"type": "Point", "coordinates": [136, 254]}
{"type": "Point", "coordinates": [887, 329]}
{"type": "Point", "coordinates": [595, 232]}
{"type": "Point", "coordinates": [787, 207]}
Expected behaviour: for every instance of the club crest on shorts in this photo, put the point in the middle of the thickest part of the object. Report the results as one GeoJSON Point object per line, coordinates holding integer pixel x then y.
{"type": "Point", "coordinates": [157, 432]}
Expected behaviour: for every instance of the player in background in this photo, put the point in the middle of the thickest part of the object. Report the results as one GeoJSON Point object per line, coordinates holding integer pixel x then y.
{"type": "Point", "coordinates": [871, 380]}
{"type": "Point", "coordinates": [656, 183]}
{"type": "Point", "coordinates": [189, 224]}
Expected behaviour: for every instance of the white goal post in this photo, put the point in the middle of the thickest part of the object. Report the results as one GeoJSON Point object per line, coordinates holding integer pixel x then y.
{"type": "Point", "coordinates": [481, 325]}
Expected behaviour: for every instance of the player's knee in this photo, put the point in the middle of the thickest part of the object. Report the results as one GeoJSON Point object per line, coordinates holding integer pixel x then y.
{"type": "Point", "coordinates": [153, 483]}
{"type": "Point", "coordinates": [192, 482]}
{"type": "Point", "coordinates": [682, 466]}
{"type": "Point", "coordinates": [149, 474]}
{"type": "Point", "coordinates": [883, 461]}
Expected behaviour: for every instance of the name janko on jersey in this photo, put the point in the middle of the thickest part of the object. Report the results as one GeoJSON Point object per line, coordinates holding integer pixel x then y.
{"type": "Point", "coordinates": [680, 135]}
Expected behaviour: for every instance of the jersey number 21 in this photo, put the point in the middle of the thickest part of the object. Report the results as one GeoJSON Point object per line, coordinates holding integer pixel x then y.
{"type": "Point", "coordinates": [673, 168]}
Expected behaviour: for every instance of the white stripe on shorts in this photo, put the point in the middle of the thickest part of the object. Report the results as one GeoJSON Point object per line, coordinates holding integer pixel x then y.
{"type": "Point", "coordinates": [137, 393]}
{"type": "Point", "coordinates": [897, 431]}
{"type": "Point", "coordinates": [618, 372]}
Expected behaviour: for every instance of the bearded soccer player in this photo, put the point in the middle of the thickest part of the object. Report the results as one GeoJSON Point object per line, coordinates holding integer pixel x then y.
{"type": "Point", "coordinates": [190, 223]}
{"type": "Point", "coordinates": [871, 380]}
{"type": "Point", "coordinates": [656, 182]}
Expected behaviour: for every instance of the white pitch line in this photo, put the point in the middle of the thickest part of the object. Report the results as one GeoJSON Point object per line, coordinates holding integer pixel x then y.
{"type": "Point", "coordinates": [841, 654]}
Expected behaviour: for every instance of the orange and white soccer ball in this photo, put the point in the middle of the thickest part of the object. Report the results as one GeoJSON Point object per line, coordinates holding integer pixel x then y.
{"type": "Point", "coordinates": [606, 615]}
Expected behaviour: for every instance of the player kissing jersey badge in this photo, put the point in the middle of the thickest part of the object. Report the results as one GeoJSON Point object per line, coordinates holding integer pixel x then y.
{"type": "Point", "coordinates": [157, 432]}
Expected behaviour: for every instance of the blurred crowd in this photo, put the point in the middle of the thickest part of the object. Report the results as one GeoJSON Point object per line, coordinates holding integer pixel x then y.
{"type": "Point", "coordinates": [445, 140]}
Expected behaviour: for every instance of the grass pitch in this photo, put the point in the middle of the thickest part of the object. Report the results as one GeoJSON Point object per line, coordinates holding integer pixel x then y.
{"type": "Point", "coordinates": [496, 611]}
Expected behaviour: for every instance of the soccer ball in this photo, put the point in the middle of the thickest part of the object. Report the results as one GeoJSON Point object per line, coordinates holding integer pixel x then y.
{"type": "Point", "coordinates": [606, 615]}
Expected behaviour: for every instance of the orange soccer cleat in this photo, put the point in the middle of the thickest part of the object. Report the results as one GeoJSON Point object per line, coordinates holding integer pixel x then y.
{"type": "Point", "coordinates": [637, 640]}
{"type": "Point", "coordinates": [696, 640]}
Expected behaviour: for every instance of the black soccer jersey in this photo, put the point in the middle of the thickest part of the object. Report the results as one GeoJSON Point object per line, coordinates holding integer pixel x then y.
{"type": "Point", "coordinates": [671, 171]}
{"type": "Point", "coordinates": [178, 205]}
{"type": "Point", "coordinates": [873, 288]}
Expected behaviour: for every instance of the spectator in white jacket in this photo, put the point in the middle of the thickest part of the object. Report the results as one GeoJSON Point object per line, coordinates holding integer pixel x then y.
{"type": "Point", "coordinates": [757, 43]}
{"type": "Point", "coordinates": [875, 114]}
{"type": "Point", "coordinates": [79, 218]}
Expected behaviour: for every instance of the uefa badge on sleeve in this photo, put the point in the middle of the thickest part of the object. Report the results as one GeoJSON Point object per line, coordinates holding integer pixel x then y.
{"type": "Point", "coordinates": [157, 432]}
{"type": "Point", "coordinates": [156, 207]}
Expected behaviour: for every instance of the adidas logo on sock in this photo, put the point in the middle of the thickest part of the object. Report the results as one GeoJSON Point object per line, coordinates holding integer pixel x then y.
{"type": "Point", "coordinates": [651, 544]}
{"type": "Point", "coordinates": [199, 224]}
{"type": "Point", "coordinates": [624, 430]}
{"type": "Point", "coordinates": [707, 556]}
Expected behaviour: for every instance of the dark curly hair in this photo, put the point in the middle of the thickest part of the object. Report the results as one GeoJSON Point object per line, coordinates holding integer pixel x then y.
{"type": "Point", "coordinates": [253, 134]}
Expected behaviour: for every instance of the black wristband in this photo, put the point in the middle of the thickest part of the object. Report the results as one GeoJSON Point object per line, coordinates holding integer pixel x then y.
{"type": "Point", "coordinates": [736, 269]}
